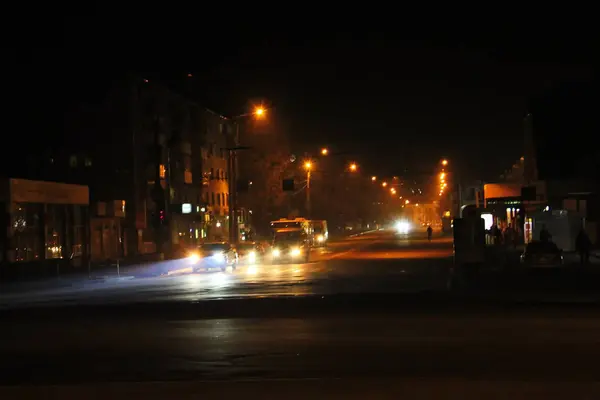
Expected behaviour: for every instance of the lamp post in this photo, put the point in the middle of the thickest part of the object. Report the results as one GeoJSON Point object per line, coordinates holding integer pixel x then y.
{"type": "Point", "coordinates": [232, 166]}
{"type": "Point", "coordinates": [308, 167]}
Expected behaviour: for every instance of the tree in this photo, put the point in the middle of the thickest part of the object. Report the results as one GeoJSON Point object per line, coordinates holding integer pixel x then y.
{"type": "Point", "coordinates": [263, 167]}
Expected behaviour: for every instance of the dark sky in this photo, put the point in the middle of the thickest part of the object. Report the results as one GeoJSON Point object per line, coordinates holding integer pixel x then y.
{"type": "Point", "coordinates": [393, 102]}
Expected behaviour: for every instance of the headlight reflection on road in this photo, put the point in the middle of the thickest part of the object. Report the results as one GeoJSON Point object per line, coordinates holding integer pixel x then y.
{"type": "Point", "coordinates": [252, 270]}
{"type": "Point", "coordinates": [219, 279]}
{"type": "Point", "coordinates": [252, 257]}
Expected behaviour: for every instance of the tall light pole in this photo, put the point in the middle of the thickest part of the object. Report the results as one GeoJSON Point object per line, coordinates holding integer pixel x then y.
{"type": "Point", "coordinates": [308, 167]}
{"type": "Point", "coordinates": [232, 147]}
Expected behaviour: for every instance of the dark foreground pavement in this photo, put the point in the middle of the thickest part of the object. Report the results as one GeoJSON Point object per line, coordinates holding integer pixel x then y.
{"type": "Point", "coordinates": [379, 346]}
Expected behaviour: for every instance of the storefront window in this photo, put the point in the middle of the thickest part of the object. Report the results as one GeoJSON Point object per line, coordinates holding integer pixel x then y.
{"type": "Point", "coordinates": [54, 230]}
{"type": "Point", "coordinates": [27, 236]}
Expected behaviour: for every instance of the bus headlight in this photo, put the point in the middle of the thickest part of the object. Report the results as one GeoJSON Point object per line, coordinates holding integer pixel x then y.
{"type": "Point", "coordinates": [276, 253]}
{"type": "Point", "coordinates": [194, 258]}
{"type": "Point", "coordinates": [295, 252]}
{"type": "Point", "coordinates": [320, 238]}
{"type": "Point", "coordinates": [220, 257]}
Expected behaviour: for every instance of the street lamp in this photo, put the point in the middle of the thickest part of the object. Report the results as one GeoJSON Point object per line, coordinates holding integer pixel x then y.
{"type": "Point", "coordinates": [353, 167]}
{"type": "Point", "coordinates": [444, 162]}
{"type": "Point", "coordinates": [384, 184]}
{"type": "Point", "coordinates": [233, 146]}
{"type": "Point", "coordinates": [373, 178]}
{"type": "Point", "coordinates": [324, 151]}
{"type": "Point", "coordinates": [308, 167]}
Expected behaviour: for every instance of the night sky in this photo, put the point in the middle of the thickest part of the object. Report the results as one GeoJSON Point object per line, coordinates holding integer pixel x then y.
{"type": "Point", "coordinates": [394, 104]}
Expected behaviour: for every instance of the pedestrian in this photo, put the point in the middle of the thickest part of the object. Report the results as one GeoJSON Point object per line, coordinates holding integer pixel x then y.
{"type": "Point", "coordinates": [429, 232]}
{"type": "Point", "coordinates": [545, 235]}
{"type": "Point", "coordinates": [583, 245]}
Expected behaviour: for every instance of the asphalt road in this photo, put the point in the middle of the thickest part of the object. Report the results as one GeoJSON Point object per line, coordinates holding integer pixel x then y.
{"type": "Point", "coordinates": [369, 317]}
{"type": "Point", "coordinates": [377, 262]}
{"type": "Point", "coordinates": [335, 354]}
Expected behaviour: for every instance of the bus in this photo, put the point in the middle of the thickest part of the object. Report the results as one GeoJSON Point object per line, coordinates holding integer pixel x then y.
{"type": "Point", "coordinates": [315, 230]}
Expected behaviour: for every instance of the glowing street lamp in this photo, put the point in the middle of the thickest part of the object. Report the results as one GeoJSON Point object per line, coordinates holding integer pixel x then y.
{"type": "Point", "coordinates": [308, 165]}
{"type": "Point", "coordinates": [444, 162]}
{"type": "Point", "coordinates": [373, 178]}
{"type": "Point", "coordinates": [324, 151]}
{"type": "Point", "coordinates": [259, 111]}
{"type": "Point", "coordinates": [384, 184]}
{"type": "Point", "coordinates": [353, 167]}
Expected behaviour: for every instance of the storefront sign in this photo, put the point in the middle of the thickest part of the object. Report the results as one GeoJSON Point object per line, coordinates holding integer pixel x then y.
{"type": "Point", "coordinates": [26, 191]}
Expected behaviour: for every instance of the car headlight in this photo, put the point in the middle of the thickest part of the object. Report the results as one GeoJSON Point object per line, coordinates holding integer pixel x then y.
{"type": "Point", "coordinates": [194, 257]}
{"type": "Point", "coordinates": [276, 252]}
{"type": "Point", "coordinates": [219, 256]}
{"type": "Point", "coordinates": [320, 238]}
{"type": "Point", "coordinates": [252, 256]}
{"type": "Point", "coordinates": [402, 227]}
{"type": "Point", "coordinates": [295, 252]}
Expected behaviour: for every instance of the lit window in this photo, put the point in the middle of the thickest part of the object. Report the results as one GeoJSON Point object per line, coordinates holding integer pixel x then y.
{"type": "Point", "coordinates": [73, 161]}
{"type": "Point", "coordinates": [162, 171]}
{"type": "Point", "coordinates": [187, 176]}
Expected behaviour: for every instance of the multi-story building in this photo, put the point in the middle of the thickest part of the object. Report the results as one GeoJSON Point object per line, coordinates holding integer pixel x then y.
{"type": "Point", "coordinates": [154, 162]}
{"type": "Point", "coordinates": [215, 176]}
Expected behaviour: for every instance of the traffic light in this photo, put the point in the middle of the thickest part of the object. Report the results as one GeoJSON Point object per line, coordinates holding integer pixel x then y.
{"type": "Point", "coordinates": [161, 216]}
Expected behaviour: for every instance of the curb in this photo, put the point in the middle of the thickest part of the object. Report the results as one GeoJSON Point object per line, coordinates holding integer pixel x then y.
{"type": "Point", "coordinates": [104, 279]}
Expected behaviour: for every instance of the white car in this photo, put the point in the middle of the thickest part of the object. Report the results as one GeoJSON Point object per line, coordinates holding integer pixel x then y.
{"type": "Point", "coordinates": [213, 255]}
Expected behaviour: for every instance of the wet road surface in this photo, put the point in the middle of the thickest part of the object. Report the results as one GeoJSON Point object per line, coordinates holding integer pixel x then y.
{"type": "Point", "coordinates": [377, 262]}
{"type": "Point", "coordinates": [349, 324]}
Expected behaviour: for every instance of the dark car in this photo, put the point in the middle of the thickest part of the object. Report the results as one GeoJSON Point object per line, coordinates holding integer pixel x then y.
{"type": "Point", "coordinates": [250, 252]}
{"type": "Point", "coordinates": [214, 255]}
{"type": "Point", "coordinates": [542, 254]}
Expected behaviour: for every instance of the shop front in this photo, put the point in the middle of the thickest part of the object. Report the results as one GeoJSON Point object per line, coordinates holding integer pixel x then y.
{"type": "Point", "coordinates": [44, 221]}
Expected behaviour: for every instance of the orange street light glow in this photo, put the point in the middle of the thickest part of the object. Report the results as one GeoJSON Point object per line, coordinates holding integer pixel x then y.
{"type": "Point", "coordinates": [353, 167]}
{"type": "Point", "coordinates": [373, 178]}
{"type": "Point", "coordinates": [444, 162]}
{"type": "Point", "coordinates": [308, 165]}
{"type": "Point", "coordinates": [384, 184]}
{"type": "Point", "coordinates": [324, 151]}
{"type": "Point", "coordinates": [259, 111]}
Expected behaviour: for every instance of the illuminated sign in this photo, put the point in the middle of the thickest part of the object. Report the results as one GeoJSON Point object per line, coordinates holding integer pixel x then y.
{"type": "Point", "coordinates": [186, 208]}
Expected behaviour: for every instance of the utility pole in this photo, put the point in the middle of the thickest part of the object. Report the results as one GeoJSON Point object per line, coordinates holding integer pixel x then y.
{"type": "Point", "coordinates": [232, 167]}
{"type": "Point", "coordinates": [308, 205]}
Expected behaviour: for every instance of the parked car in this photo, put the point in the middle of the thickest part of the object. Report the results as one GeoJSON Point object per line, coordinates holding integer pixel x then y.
{"type": "Point", "coordinates": [542, 254]}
